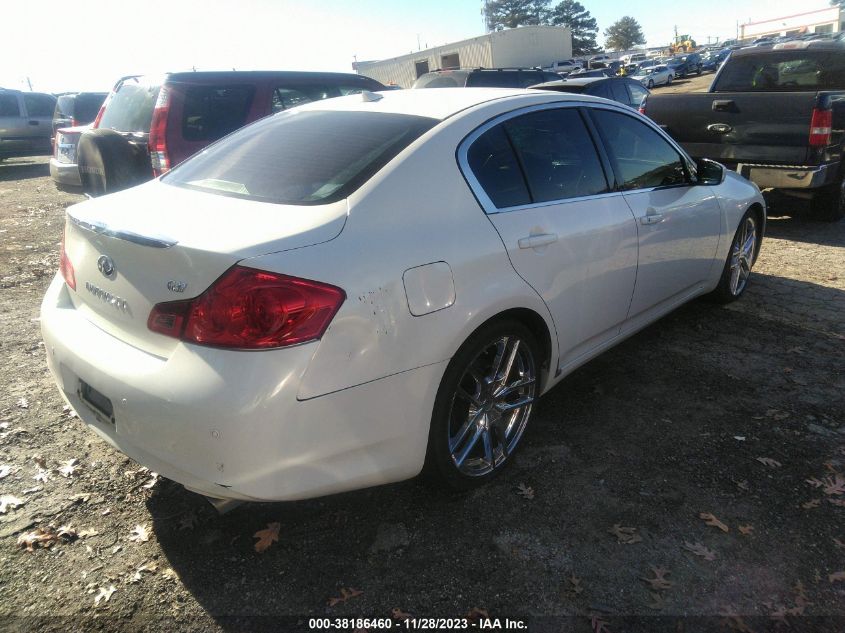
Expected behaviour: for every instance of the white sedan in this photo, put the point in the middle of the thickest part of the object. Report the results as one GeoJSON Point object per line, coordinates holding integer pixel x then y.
{"type": "Point", "coordinates": [654, 76]}
{"type": "Point", "coordinates": [350, 292]}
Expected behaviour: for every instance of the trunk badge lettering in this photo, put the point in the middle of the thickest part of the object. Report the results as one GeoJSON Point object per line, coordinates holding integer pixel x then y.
{"type": "Point", "coordinates": [105, 265]}
{"type": "Point", "coordinates": [108, 297]}
{"type": "Point", "coordinates": [176, 286]}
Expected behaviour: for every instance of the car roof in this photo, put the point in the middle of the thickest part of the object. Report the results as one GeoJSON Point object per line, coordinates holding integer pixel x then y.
{"type": "Point", "coordinates": [800, 45]}
{"type": "Point", "coordinates": [439, 103]}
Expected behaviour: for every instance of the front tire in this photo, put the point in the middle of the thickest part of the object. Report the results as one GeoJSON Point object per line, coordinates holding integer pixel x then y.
{"type": "Point", "coordinates": [741, 258]}
{"type": "Point", "coordinates": [483, 405]}
{"type": "Point", "coordinates": [650, 85]}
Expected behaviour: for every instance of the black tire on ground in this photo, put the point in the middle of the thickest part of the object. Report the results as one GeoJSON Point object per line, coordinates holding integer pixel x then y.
{"type": "Point", "coordinates": [669, 80]}
{"type": "Point", "coordinates": [650, 85]}
{"type": "Point", "coordinates": [727, 291]}
{"type": "Point", "coordinates": [828, 204]}
{"type": "Point", "coordinates": [108, 162]}
{"type": "Point", "coordinates": [472, 366]}
{"type": "Point", "coordinates": [699, 71]}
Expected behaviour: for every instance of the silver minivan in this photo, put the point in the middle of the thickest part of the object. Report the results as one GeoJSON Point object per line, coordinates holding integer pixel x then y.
{"type": "Point", "coordinates": [25, 123]}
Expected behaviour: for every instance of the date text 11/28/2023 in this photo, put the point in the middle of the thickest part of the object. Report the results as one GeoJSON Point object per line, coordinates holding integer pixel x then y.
{"type": "Point", "coordinates": [417, 624]}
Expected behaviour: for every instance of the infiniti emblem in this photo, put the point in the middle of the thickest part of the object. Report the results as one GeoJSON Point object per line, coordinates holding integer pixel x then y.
{"type": "Point", "coordinates": [105, 265]}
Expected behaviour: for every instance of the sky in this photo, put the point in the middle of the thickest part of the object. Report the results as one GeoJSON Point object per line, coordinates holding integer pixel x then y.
{"type": "Point", "coordinates": [90, 44]}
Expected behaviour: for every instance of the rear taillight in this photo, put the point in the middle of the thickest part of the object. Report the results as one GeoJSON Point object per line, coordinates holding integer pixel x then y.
{"type": "Point", "coordinates": [251, 309]}
{"type": "Point", "coordinates": [67, 268]}
{"type": "Point", "coordinates": [158, 134]}
{"type": "Point", "coordinates": [100, 112]}
{"type": "Point", "coordinates": [821, 127]}
{"type": "Point", "coordinates": [642, 105]}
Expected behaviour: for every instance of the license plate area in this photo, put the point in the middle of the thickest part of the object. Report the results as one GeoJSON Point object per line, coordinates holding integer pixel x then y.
{"type": "Point", "coordinates": [97, 402]}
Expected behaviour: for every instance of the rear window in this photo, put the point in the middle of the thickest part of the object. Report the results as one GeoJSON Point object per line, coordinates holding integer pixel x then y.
{"type": "Point", "coordinates": [302, 158]}
{"type": "Point", "coordinates": [441, 80]}
{"type": "Point", "coordinates": [86, 105]}
{"type": "Point", "coordinates": [131, 108]}
{"type": "Point", "coordinates": [502, 79]}
{"type": "Point", "coordinates": [212, 112]}
{"type": "Point", "coordinates": [291, 95]}
{"type": "Point", "coordinates": [787, 71]}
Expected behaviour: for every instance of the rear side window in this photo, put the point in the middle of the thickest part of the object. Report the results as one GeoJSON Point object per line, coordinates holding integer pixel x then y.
{"type": "Point", "coordinates": [39, 105]}
{"type": "Point", "coordinates": [620, 93]}
{"type": "Point", "coordinates": [493, 162]}
{"type": "Point", "coordinates": [9, 105]}
{"type": "Point", "coordinates": [557, 155]}
{"type": "Point", "coordinates": [599, 89]}
{"type": "Point", "coordinates": [87, 105]}
{"type": "Point", "coordinates": [131, 108]}
{"type": "Point", "coordinates": [212, 112]}
{"type": "Point", "coordinates": [499, 79]}
{"type": "Point", "coordinates": [791, 70]}
{"type": "Point", "coordinates": [64, 107]}
{"type": "Point", "coordinates": [300, 158]}
{"type": "Point", "coordinates": [640, 156]}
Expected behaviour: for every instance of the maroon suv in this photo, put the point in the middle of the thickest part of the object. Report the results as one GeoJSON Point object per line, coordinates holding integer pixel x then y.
{"type": "Point", "coordinates": [149, 124]}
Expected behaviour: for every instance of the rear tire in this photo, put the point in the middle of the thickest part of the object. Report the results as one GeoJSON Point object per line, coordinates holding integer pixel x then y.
{"type": "Point", "coordinates": [483, 405]}
{"type": "Point", "coordinates": [740, 260]}
{"type": "Point", "coordinates": [650, 85]}
{"type": "Point", "coordinates": [828, 204]}
{"type": "Point", "coordinates": [108, 162]}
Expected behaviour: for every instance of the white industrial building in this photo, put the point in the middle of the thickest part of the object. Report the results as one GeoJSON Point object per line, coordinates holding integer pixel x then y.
{"type": "Point", "coordinates": [827, 20]}
{"type": "Point", "coordinates": [522, 47]}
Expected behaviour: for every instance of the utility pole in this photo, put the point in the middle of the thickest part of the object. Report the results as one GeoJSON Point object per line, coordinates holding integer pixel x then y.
{"type": "Point", "coordinates": [29, 83]}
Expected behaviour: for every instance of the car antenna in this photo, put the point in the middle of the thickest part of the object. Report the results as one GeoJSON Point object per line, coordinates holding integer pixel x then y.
{"type": "Point", "coordinates": [368, 96]}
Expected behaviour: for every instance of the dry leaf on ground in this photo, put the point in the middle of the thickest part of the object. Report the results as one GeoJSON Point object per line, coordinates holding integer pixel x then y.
{"type": "Point", "coordinates": [42, 476]}
{"type": "Point", "coordinates": [104, 595]}
{"type": "Point", "coordinates": [576, 584]}
{"type": "Point", "coordinates": [839, 544]}
{"type": "Point", "coordinates": [475, 613]}
{"type": "Point", "coordinates": [834, 485]}
{"type": "Point", "coordinates": [657, 601]}
{"type": "Point", "coordinates": [812, 503]}
{"type": "Point", "coordinates": [46, 537]}
{"type": "Point", "coordinates": [188, 521]}
{"type": "Point", "coordinates": [397, 614]}
{"type": "Point", "coordinates": [838, 576]}
{"type": "Point", "coordinates": [23, 403]}
{"type": "Point", "coordinates": [345, 594]}
{"type": "Point", "coordinates": [746, 530]}
{"type": "Point", "coordinates": [5, 471]}
{"type": "Point", "coordinates": [659, 581]}
{"type": "Point", "coordinates": [700, 550]}
{"type": "Point", "coordinates": [598, 625]}
{"type": "Point", "coordinates": [140, 534]}
{"type": "Point", "coordinates": [9, 502]}
{"type": "Point", "coordinates": [768, 461]}
{"type": "Point", "coordinates": [837, 502]}
{"type": "Point", "coordinates": [625, 535]}
{"type": "Point", "coordinates": [267, 536]}
{"type": "Point", "coordinates": [525, 491]}
{"type": "Point", "coordinates": [709, 519]}
{"type": "Point", "coordinates": [69, 468]}
{"type": "Point", "coordinates": [149, 568]}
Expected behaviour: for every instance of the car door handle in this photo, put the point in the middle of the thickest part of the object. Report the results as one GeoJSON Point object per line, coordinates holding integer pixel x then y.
{"type": "Point", "coordinates": [652, 218]}
{"type": "Point", "coordinates": [723, 105]}
{"type": "Point", "coordinates": [535, 241]}
{"type": "Point", "coordinates": [33, 122]}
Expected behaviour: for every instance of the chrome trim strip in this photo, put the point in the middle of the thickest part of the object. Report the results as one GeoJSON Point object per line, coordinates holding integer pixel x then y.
{"type": "Point", "coordinates": [101, 228]}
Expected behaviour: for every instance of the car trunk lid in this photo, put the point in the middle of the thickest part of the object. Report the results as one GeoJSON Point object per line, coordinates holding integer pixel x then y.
{"type": "Point", "coordinates": [157, 243]}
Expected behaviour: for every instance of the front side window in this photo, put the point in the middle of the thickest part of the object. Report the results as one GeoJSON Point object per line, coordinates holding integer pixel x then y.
{"type": "Point", "coordinates": [300, 158]}
{"type": "Point", "coordinates": [638, 93]}
{"type": "Point", "coordinates": [212, 112]}
{"type": "Point", "coordinates": [38, 105]}
{"type": "Point", "coordinates": [640, 156]}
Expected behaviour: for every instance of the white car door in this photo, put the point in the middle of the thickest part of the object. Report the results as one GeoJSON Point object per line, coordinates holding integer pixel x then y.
{"type": "Point", "coordinates": [679, 222]}
{"type": "Point", "coordinates": [540, 178]}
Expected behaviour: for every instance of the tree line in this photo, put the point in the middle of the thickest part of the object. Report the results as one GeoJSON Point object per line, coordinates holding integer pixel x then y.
{"type": "Point", "coordinates": [625, 33]}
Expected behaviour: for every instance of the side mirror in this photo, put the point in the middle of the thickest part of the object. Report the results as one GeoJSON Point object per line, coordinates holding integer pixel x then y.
{"type": "Point", "coordinates": [709, 172]}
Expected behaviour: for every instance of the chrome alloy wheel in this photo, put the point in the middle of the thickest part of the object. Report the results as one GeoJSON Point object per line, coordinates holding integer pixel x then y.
{"type": "Point", "coordinates": [742, 255]}
{"type": "Point", "coordinates": [491, 406]}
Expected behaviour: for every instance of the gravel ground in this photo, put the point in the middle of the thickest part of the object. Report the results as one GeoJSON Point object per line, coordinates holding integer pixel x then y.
{"type": "Point", "coordinates": [603, 522]}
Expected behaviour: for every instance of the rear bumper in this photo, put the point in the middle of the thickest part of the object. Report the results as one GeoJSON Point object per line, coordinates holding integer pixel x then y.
{"type": "Point", "coordinates": [228, 424]}
{"type": "Point", "coordinates": [65, 173]}
{"type": "Point", "coordinates": [788, 176]}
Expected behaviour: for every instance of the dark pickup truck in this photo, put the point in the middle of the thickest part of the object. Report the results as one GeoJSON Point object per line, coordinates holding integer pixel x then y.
{"type": "Point", "coordinates": [775, 114]}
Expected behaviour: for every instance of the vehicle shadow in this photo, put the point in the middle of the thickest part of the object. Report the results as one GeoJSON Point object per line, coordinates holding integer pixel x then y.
{"type": "Point", "coordinates": [22, 169]}
{"type": "Point", "coordinates": [797, 229]}
{"type": "Point", "coordinates": [650, 434]}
